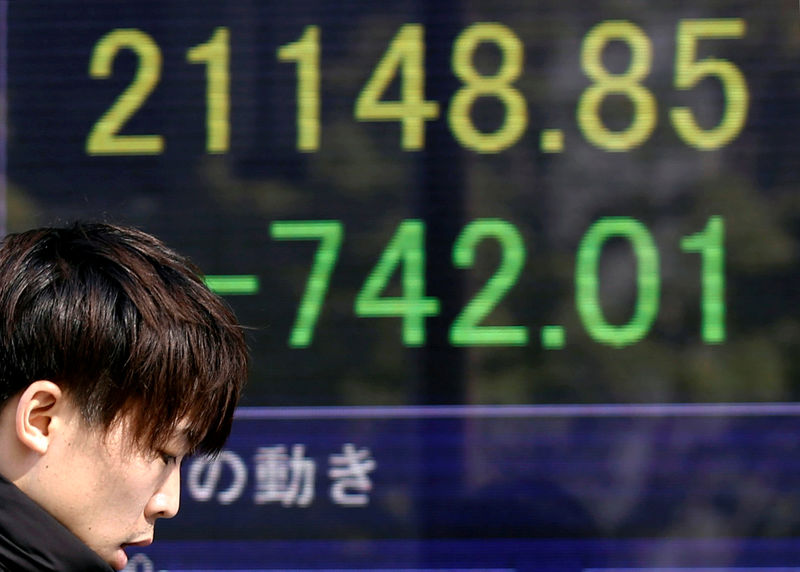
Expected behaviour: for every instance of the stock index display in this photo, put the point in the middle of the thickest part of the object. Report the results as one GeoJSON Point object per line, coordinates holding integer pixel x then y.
{"type": "Point", "coordinates": [520, 278]}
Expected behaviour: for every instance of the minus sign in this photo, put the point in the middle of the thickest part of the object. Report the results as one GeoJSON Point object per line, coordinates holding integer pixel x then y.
{"type": "Point", "coordinates": [233, 284]}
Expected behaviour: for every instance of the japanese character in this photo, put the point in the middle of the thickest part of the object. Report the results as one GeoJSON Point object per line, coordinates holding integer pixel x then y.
{"type": "Point", "coordinates": [284, 479]}
{"type": "Point", "coordinates": [202, 491]}
{"type": "Point", "coordinates": [349, 470]}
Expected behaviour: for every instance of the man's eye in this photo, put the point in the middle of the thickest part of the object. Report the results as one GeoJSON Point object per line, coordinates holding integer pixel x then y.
{"type": "Point", "coordinates": [168, 459]}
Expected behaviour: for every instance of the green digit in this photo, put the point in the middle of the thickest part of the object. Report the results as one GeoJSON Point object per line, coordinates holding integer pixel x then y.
{"type": "Point", "coordinates": [465, 329]}
{"type": "Point", "coordinates": [406, 250]}
{"type": "Point", "coordinates": [709, 242]}
{"type": "Point", "coordinates": [329, 233]}
{"type": "Point", "coordinates": [648, 281]}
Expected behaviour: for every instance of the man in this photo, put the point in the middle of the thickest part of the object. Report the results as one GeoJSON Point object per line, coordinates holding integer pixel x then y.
{"type": "Point", "coordinates": [115, 362]}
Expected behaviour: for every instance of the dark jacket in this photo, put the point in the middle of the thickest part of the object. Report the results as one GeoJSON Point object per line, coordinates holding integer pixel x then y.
{"type": "Point", "coordinates": [31, 539]}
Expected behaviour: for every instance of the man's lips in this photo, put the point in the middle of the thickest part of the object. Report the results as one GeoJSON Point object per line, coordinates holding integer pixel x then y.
{"type": "Point", "coordinates": [145, 542]}
{"type": "Point", "coordinates": [120, 558]}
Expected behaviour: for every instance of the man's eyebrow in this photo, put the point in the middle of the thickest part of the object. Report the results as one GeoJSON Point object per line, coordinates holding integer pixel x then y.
{"type": "Point", "coordinates": [186, 439]}
{"type": "Point", "coordinates": [180, 440]}
{"type": "Point", "coordinates": [183, 442]}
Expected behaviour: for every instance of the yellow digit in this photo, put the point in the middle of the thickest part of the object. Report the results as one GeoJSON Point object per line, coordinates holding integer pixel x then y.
{"type": "Point", "coordinates": [627, 83]}
{"type": "Point", "coordinates": [305, 52]}
{"type": "Point", "coordinates": [406, 55]}
{"type": "Point", "coordinates": [497, 85]}
{"type": "Point", "coordinates": [689, 72]}
{"type": "Point", "coordinates": [216, 55]}
{"type": "Point", "coordinates": [104, 138]}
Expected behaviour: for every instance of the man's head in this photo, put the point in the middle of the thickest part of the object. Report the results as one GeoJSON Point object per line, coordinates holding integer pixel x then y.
{"type": "Point", "coordinates": [115, 362]}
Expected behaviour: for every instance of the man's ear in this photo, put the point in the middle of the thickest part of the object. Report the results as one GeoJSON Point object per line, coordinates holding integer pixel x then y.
{"type": "Point", "coordinates": [36, 411]}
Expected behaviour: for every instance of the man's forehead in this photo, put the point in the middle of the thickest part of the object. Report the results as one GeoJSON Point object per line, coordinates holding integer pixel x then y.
{"type": "Point", "coordinates": [181, 437]}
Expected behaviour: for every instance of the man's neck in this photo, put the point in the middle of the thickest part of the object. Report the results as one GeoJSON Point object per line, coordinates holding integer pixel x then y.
{"type": "Point", "coordinates": [32, 540]}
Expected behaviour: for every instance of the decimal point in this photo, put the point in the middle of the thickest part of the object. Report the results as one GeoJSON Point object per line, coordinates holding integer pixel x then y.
{"type": "Point", "coordinates": [553, 337]}
{"type": "Point", "coordinates": [552, 141]}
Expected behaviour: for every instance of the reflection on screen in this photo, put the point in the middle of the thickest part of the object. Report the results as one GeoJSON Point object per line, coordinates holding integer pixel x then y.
{"type": "Point", "coordinates": [519, 278]}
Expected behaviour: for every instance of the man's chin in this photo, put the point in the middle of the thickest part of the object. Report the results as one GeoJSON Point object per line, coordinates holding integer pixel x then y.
{"type": "Point", "coordinates": [119, 559]}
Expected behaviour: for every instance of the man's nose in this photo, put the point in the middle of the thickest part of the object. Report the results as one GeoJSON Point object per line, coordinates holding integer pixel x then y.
{"type": "Point", "coordinates": [167, 499]}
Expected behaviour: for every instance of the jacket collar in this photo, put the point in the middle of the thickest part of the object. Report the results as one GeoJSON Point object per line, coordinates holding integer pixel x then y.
{"type": "Point", "coordinates": [32, 540]}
